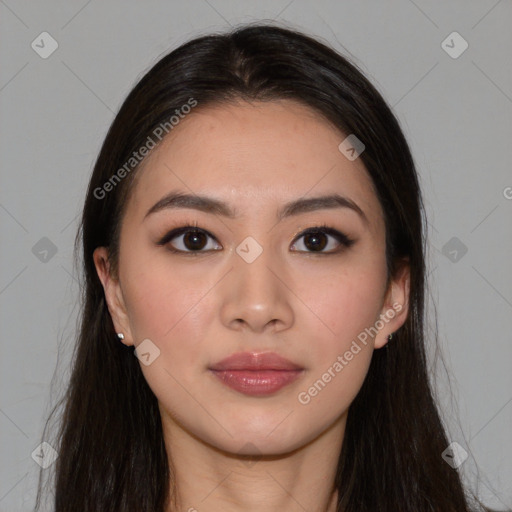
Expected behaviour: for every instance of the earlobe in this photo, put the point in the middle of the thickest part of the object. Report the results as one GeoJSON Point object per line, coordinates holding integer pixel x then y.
{"type": "Point", "coordinates": [113, 295]}
{"type": "Point", "coordinates": [396, 305]}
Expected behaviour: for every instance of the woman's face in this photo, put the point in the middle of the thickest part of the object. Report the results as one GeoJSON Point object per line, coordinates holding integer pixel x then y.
{"type": "Point", "coordinates": [249, 281]}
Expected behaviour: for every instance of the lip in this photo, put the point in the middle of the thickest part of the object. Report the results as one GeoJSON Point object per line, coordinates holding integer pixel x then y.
{"type": "Point", "coordinates": [255, 361]}
{"type": "Point", "coordinates": [256, 374]}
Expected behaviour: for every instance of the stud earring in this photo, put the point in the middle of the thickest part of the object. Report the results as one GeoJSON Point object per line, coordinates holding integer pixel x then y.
{"type": "Point", "coordinates": [120, 335]}
{"type": "Point", "coordinates": [390, 337]}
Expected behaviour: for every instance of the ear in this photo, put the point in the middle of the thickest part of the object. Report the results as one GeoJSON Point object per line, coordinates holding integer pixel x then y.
{"type": "Point", "coordinates": [113, 295]}
{"type": "Point", "coordinates": [396, 304]}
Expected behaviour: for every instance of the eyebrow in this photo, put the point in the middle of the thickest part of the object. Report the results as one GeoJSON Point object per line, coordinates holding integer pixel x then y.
{"type": "Point", "coordinates": [207, 204]}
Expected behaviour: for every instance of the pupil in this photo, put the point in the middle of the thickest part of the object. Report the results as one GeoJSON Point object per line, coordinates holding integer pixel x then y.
{"type": "Point", "coordinates": [318, 241]}
{"type": "Point", "coordinates": [194, 240]}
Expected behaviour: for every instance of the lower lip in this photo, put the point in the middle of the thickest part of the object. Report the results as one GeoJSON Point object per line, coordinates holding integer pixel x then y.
{"type": "Point", "coordinates": [257, 382]}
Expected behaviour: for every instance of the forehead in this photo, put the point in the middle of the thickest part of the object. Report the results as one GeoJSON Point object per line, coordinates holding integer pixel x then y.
{"type": "Point", "coordinates": [254, 156]}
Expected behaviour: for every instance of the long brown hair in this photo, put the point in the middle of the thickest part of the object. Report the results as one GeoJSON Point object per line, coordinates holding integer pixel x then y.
{"type": "Point", "coordinates": [112, 455]}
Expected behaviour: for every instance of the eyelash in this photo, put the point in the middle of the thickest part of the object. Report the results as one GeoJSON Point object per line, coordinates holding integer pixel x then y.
{"type": "Point", "coordinates": [342, 238]}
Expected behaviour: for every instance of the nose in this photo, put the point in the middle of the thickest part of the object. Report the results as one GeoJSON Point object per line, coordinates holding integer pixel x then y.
{"type": "Point", "coordinates": [255, 295]}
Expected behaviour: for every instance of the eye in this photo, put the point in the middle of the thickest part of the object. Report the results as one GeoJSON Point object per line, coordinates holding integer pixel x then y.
{"type": "Point", "coordinates": [193, 240]}
{"type": "Point", "coordinates": [316, 239]}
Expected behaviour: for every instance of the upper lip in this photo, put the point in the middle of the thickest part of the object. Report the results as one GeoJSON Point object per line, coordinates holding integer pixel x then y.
{"type": "Point", "coordinates": [255, 361]}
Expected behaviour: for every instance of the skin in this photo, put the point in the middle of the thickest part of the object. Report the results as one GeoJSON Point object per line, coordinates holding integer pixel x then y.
{"type": "Point", "coordinates": [307, 307]}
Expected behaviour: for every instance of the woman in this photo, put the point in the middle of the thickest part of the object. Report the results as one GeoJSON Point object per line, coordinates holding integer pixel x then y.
{"type": "Point", "coordinates": [253, 233]}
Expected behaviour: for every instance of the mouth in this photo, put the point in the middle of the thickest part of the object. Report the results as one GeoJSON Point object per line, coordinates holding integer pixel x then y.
{"type": "Point", "coordinates": [256, 374]}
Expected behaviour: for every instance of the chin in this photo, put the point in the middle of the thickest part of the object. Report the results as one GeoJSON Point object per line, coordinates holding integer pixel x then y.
{"type": "Point", "coordinates": [272, 438]}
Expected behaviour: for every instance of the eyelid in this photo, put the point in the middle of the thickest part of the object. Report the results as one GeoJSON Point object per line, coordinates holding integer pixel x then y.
{"type": "Point", "coordinates": [182, 228]}
{"type": "Point", "coordinates": [343, 239]}
{"type": "Point", "coordinates": [324, 228]}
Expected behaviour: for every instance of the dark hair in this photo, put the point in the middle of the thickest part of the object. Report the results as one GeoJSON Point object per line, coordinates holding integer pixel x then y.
{"type": "Point", "coordinates": [112, 455]}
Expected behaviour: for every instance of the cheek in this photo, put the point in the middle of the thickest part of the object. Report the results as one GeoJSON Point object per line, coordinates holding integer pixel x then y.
{"type": "Point", "coordinates": [332, 386]}
{"type": "Point", "coordinates": [174, 308]}
{"type": "Point", "coordinates": [172, 312]}
{"type": "Point", "coordinates": [342, 305]}
{"type": "Point", "coordinates": [345, 309]}
{"type": "Point", "coordinates": [160, 298]}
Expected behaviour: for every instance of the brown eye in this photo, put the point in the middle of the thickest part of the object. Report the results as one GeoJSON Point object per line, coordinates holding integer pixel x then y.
{"type": "Point", "coordinates": [193, 240]}
{"type": "Point", "coordinates": [316, 239]}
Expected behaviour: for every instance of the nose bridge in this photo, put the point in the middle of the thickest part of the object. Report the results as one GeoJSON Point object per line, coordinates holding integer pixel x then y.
{"type": "Point", "coordinates": [256, 295]}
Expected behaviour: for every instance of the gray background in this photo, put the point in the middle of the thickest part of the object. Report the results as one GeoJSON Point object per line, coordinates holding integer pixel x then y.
{"type": "Point", "coordinates": [456, 114]}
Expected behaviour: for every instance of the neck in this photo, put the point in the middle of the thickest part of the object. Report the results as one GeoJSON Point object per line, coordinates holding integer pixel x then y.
{"type": "Point", "coordinates": [209, 479]}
